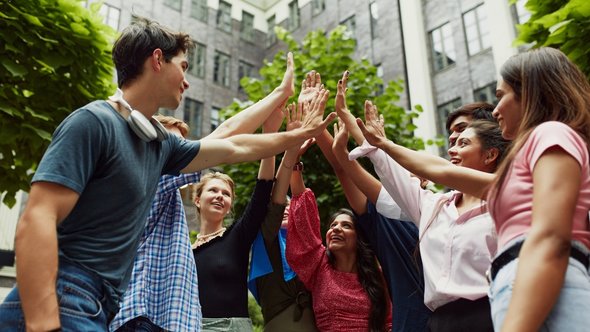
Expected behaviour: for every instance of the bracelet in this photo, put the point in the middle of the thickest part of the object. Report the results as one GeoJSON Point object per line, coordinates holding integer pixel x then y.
{"type": "Point", "coordinates": [298, 167]}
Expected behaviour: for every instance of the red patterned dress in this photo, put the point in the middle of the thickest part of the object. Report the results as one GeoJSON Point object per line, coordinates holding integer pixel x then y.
{"type": "Point", "coordinates": [340, 302]}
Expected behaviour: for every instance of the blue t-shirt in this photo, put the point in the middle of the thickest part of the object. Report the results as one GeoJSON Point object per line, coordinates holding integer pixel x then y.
{"type": "Point", "coordinates": [394, 242]}
{"type": "Point", "coordinates": [95, 153]}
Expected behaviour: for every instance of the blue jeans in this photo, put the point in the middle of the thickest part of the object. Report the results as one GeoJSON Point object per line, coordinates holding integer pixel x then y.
{"type": "Point", "coordinates": [570, 312]}
{"type": "Point", "coordinates": [140, 324]}
{"type": "Point", "coordinates": [80, 299]}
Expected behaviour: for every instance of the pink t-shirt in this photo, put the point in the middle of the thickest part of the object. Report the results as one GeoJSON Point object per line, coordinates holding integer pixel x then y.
{"type": "Point", "coordinates": [513, 209]}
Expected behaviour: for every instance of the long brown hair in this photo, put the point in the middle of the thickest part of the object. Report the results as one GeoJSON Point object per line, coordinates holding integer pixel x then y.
{"type": "Point", "coordinates": [369, 274]}
{"type": "Point", "coordinates": [549, 87]}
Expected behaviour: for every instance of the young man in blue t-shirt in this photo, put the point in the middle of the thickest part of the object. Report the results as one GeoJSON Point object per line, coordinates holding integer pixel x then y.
{"type": "Point", "coordinates": [92, 191]}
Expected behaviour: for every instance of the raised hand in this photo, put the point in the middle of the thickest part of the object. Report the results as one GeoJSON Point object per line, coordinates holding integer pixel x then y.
{"type": "Point", "coordinates": [340, 142]}
{"type": "Point", "coordinates": [287, 86]}
{"type": "Point", "coordinates": [313, 113]}
{"type": "Point", "coordinates": [310, 86]}
{"type": "Point", "coordinates": [340, 101]}
{"type": "Point", "coordinates": [294, 116]}
{"type": "Point", "coordinates": [373, 128]}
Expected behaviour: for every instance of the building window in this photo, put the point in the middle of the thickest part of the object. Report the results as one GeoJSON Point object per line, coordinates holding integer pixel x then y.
{"type": "Point", "coordinates": [443, 49]}
{"type": "Point", "coordinates": [111, 15]}
{"type": "Point", "coordinates": [475, 23]}
{"type": "Point", "coordinates": [374, 12]}
{"type": "Point", "coordinates": [221, 69]}
{"type": "Point", "coordinates": [224, 16]}
{"type": "Point", "coordinates": [199, 10]}
{"type": "Point", "coordinates": [214, 120]}
{"type": "Point", "coordinates": [350, 27]}
{"type": "Point", "coordinates": [294, 20]}
{"type": "Point", "coordinates": [247, 26]}
{"type": "Point", "coordinates": [196, 60]}
{"type": "Point", "coordinates": [318, 6]}
{"type": "Point", "coordinates": [193, 114]}
{"type": "Point", "coordinates": [486, 94]}
{"type": "Point", "coordinates": [271, 36]}
{"type": "Point", "coordinates": [380, 88]}
{"type": "Point", "coordinates": [244, 70]}
{"type": "Point", "coordinates": [174, 4]}
{"type": "Point", "coordinates": [521, 14]}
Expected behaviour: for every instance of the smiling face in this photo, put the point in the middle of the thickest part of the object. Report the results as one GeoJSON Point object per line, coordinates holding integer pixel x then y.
{"type": "Point", "coordinates": [457, 127]}
{"type": "Point", "coordinates": [508, 112]}
{"type": "Point", "coordinates": [341, 236]}
{"type": "Point", "coordinates": [468, 151]}
{"type": "Point", "coordinates": [174, 79]}
{"type": "Point", "coordinates": [215, 200]}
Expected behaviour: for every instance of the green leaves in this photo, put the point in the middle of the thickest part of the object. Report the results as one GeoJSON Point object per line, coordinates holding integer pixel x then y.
{"type": "Point", "coordinates": [330, 54]}
{"type": "Point", "coordinates": [55, 58]}
{"type": "Point", "coordinates": [563, 24]}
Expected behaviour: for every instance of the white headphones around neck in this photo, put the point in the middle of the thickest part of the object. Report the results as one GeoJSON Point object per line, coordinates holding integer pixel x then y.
{"type": "Point", "coordinates": [147, 130]}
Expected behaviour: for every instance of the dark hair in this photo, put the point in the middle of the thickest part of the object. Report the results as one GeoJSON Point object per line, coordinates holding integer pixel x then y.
{"type": "Point", "coordinates": [369, 274]}
{"type": "Point", "coordinates": [138, 41]}
{"type": "Point", "coordinates": [549, 87]}
{"type": "Point", "coordinates": [477, 111]}
{"type": "Point", "coordinates": [490, 136]}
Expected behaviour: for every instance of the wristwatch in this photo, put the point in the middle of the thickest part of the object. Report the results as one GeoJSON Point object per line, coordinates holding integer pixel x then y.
{"type": "Point", "coordinates": [298, 167]}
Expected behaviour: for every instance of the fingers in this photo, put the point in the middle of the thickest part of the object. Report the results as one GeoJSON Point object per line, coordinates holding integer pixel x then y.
{"type": "Point", "coordinates": [319, 102]}
{"type": "Point", "coordinates": [290, 62]}
{"type": "Point", "coordinates": [327, 120]}
{"type": "Point", "coordinates": [318, 79]}
{"type": "Point", "coordinates": [345, 78]}
{"type": "Point", "coordinates": [302, 110]}
{"type": "Point", "coordinates": [361, 125]}
{"type": "Point", "coordinates": [289, 111]}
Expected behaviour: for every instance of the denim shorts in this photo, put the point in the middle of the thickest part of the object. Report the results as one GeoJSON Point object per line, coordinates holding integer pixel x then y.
{"type": "Point", "coordinates": [80, 299]}
{"type": "Point", "coordinates": [233, 324]}
{"type": "Point", "coordinates": [570, 312]}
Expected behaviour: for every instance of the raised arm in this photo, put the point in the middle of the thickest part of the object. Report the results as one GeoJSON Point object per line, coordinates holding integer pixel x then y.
{"type": "Point", "coordinates": [248, 120]}
{"type": "Point", "coordinates": [433, 168]}
{"type": "Point", "coordinates": [356, 199]}
{"type": "Point", "coordinates": [270, 125]}
{"type": "Point", "coordinates": [250, 147]}
{"type": "Point", "coordinates": [290, 158]}
{"type": "Point", "coordinates": [363, 180]}
{"type": "Point", "coordinates": [36, 253]}
{"type": "Point", "coordinates": [544, 256]}
{"type": "Point", "coordinates": [342, 110]}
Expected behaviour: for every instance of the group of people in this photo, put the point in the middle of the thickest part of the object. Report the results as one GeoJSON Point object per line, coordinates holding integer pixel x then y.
{"type": "Point", "coordinates": [103, 241]}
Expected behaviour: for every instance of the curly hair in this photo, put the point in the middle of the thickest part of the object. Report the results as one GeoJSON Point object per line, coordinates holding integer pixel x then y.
{"type": "Point", "coordinates": [369, 274]}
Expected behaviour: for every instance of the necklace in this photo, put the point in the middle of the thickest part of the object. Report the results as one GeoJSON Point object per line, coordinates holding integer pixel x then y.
{"type": "Point", "coordinates": [202, 239]}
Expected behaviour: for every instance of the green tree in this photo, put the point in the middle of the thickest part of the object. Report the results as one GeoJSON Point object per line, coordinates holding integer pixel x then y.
{"type": "Point", "coordinates": [563, 24]}
{"type": "Point", "coordinates": [56, 57]}
{"type": "Point", "coordinates": [329, 54]}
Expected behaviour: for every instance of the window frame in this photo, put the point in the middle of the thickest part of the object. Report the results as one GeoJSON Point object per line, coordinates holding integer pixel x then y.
{"type": "Point", "coordinates": [247, 32]}
{"type": "Point", "coordinates": [482, 36]}
{"type": "Point", "coordinates": [225, 79]}
{"type": "Point", "coordinates": [201, 6]}
{"type": "Point", "coordinates": [223, 19]}
{"type": "Point", "coordinates": [195, 129]}
{"type": "Point", "coordinates": [447, 47]}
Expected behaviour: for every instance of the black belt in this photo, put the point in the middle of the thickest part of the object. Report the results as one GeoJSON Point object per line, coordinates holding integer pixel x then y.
{"type": "Point", "coordinates": [512, 253]}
